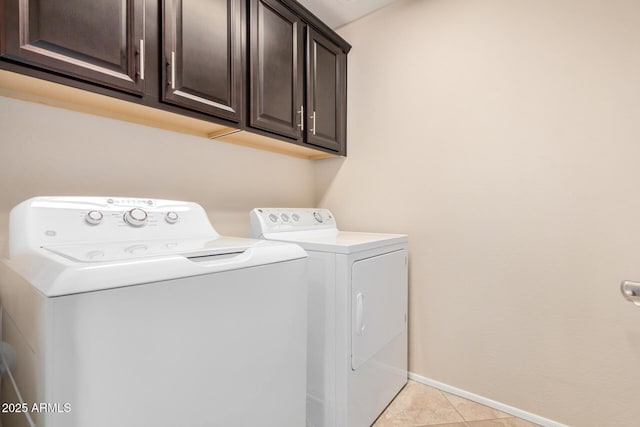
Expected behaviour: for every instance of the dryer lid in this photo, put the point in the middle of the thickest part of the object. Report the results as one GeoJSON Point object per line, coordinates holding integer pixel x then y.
{"type": "Point", "coordinates": [341, 242]}
{"type": "Point", "coordinates": [315, 230]}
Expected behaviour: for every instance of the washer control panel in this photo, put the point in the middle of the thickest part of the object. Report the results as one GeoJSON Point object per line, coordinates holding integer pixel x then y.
{"type": "Point", "coordinates": [63, 220]}
{"type": "Point", "coordinates": [275, 220]}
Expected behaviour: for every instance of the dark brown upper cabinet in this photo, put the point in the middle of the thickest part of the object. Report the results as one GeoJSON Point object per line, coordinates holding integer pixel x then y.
{"type": "Point", "coordinates": [326, 93]}
{"type": "Point", "coordinates": [97, 41]}
{"type": "Point", "coordinates": [202, 56]}
{"type": "Point", "coordinates": [276, 70]}
{"type": "Point", "coordinates": [307, 106]}
{"type": "Point", "coordinates": [269, 68]}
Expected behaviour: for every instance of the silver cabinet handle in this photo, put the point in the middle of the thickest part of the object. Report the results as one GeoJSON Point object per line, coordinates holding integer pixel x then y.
{"type": "Point", "coordinates": [144, 26]}
{"type": "Point", "coordinates": [631, 291]}
{"type": "Point", "coordinates": [173, 70]}
{"type": "Point", "coordinates": [301, 112]}
{"type": "Point", "coordinates": [313, 117]}
{"type": "Point", "coordinates": [141, 59]}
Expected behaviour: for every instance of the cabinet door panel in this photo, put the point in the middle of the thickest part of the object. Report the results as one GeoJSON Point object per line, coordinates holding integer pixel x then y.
{"type": "Point", "coordinates": [101, 42]}
{"type": "Point", "coordinates": [203, 55]}
{"type": "Point", "coordinates": [326, 93]}
{"type": "Point", "coordinates": [276, 67]}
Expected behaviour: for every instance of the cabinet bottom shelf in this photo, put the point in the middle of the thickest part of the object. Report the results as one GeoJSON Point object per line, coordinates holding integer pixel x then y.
{"type": "Point", "coordinates": [18, 86]}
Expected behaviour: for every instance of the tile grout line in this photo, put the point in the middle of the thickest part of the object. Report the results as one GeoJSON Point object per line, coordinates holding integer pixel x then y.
{"type": "Point", "coordinates": [467, 421]}
{"type": "Point", "coordinates": [464, 420]}
{"type": "Point", "coordinates": [442, 425]}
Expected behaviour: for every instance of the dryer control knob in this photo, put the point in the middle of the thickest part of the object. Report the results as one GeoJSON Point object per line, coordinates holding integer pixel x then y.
{"type": "Point", "coordinates": [171, 217]}
{"type": "Point", "coordinates": [273, 217]}
{"type": "Point", "coordinates": [136, 217]}
{"type": "Point", "coordinates": [318, 216]}
{"type": "Point", "coordinates": [94, 217]}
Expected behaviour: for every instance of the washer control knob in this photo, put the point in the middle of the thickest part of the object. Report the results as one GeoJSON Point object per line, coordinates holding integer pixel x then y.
{"type": "Point", "coordinates": [295, 217]}
{"type": "Point", "coordinates": [136, 217]}
{"type": "Point", "coordinates": [94, 217]}
{"type": "Point", "coordinates": [318, 216]}
{"type": "Point", "coordinates": [285, 217]}
{"type": "Point", "coordinates": [273, 218]}
{"type": "Point", "coordinates": [171, 217]}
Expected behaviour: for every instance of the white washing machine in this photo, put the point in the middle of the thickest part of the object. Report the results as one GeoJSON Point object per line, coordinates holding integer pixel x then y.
{"type": "Point", "coordinates": [357, 336]}
{"type": "Point", "coordinates": [135, 312]}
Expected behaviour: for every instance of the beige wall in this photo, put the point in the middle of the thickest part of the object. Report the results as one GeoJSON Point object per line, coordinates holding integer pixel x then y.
{"type": "Point", "coordinates": [50, 151]}
{"type": "Point", "coordinates": [501, 135]}
{"type": "Point", "coordinates": [504, 137]}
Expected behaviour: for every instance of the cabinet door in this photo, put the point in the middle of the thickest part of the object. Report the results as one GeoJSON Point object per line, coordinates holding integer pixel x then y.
{"type": "Point", "coordinates": [276, 69]}
{"type": "Point", "coordinates": [326, 93]}
{"type": "Point", "coordinates": [98, 41]}
{"type": "Point", "coordinates": [202, 42]}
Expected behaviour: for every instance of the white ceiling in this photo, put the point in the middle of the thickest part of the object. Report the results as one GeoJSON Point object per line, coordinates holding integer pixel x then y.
{"type": "Point", "coordinates": [336, 13]}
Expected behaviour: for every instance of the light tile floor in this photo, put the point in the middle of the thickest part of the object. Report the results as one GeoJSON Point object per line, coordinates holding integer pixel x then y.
{"type": "Point", "coordinates": [418, 405]}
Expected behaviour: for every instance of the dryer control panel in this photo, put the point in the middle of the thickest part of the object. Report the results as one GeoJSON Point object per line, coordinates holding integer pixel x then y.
{"type": "Point", "coordinates": [276, 220]}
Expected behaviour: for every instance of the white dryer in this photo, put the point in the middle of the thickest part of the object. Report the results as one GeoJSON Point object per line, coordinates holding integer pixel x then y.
{"type": "Point", "coordinates": [135, 312]}
{"type": "Point", "coordinates": [357, 336]}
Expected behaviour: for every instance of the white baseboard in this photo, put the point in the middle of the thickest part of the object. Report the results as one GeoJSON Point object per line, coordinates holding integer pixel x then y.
{"type": "Point", "coordinates": [487, 402]}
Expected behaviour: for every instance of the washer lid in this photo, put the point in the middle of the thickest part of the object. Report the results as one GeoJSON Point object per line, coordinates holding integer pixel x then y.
{"type": "Point", "coordinates": [65, 270]}
{"type": "Point", "coordinates": [342, 242]}
{"type": "Point", "coordinates": [131, 250]}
